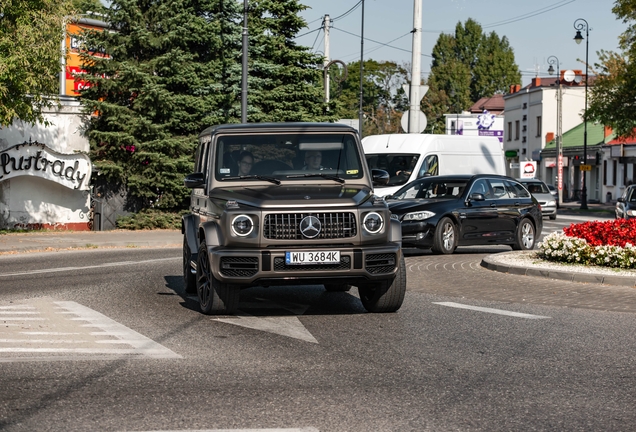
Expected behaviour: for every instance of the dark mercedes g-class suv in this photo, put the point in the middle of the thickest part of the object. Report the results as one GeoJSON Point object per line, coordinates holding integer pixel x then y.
{"type": "Point", "coordinates": [288, 204]}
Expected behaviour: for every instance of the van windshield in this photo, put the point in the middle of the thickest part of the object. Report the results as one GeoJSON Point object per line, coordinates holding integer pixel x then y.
{"type": "Point", "coordinates": [398, 165]}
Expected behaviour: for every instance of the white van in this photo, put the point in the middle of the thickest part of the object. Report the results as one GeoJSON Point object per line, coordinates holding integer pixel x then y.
{"type": "Point", "coordinates": [407, 157]}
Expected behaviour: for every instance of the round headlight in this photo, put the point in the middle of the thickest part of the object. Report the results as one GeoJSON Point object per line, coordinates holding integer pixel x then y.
{"type": "Point", "coordinates": [373, 222]}
{"type": "Point", "coordinates": [242, 225]}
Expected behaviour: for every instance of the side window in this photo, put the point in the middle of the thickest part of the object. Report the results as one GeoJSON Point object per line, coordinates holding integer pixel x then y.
{"type": "Point", "coordinates": [481, 186]}
{"type": "Point", "coordinates": [518, 191]}
{"type": "Point", "coordinates": [429, 166]}
{"type": "Point", "coordinates": [201, 156]}
{"type": "Point", "coordinates": [499, 190]}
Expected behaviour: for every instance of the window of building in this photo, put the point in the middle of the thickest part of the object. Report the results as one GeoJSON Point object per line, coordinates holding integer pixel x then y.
{"type": "Point", "coordinates": [509, 131]}
{"type": "Point", "coordinates": [516, 129]}
{"type": "Point", "coordinates": [614, 169]}
{"type": "Point", "coordinates": [605, 173]}
{"type": "Point", "coordinates": [538, 126]}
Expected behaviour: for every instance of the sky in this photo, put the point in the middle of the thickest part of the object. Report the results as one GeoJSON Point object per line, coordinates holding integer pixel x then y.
{"type": "Point", "coordinates": [535, 29]}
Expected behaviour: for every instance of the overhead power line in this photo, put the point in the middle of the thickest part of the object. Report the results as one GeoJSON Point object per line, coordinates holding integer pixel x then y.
{"type": "Point", "coordinates": [347, 12]}
{"type": "Point", "coordinates": [381, 43]}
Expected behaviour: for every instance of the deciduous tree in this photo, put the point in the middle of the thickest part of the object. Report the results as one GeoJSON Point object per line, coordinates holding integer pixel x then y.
{"type": "Point", "coordinates": [30, 36]}
{"type": "Point", "coordinates": [613, 95]}
{"type": "Point", "coordinates": [467, 66]}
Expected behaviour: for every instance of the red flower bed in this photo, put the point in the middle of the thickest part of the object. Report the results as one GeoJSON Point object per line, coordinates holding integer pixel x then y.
{"type": "Point", "coordinates": [608, 233]}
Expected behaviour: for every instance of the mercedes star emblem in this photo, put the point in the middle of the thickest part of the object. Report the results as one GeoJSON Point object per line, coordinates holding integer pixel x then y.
{"type": "Point", "coordinates": [310, 226]}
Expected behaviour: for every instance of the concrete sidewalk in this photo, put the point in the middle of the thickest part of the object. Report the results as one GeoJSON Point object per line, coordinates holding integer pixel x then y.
{"type": "Point", "coordinates": [66, 240]}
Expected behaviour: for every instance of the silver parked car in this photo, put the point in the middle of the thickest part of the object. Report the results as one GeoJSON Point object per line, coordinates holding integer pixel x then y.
{"type": "Point", "coordinates": [626, 204]}
{"type": "Point", "coordinates": [555, 193]}
{"type": "Point", "coordinates": [540, 191]}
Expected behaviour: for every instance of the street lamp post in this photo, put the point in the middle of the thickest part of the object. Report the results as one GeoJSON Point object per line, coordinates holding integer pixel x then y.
{"type": "Point", "coordinates": [579, 25]}
{"type": "Point", "coordinates": [559, 147]}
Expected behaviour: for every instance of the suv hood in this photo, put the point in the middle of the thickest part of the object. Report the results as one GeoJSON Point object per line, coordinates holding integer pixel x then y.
{"type": "Point", "coordinates": [296, 196]}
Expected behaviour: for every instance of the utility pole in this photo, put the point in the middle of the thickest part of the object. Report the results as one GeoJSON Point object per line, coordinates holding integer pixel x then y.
{"type": "Point", "coordinates": [416, 60]}
{"type": "Point", "coordinates": [244, 70]}
{"type": "Point", "coordinates": [360, 112]}
{"type": "Point", "coordinates": [325, 63]}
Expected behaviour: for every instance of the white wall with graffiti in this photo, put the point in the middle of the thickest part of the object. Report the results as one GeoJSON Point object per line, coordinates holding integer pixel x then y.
{"type": "Point", "coordinates": [45, 172]}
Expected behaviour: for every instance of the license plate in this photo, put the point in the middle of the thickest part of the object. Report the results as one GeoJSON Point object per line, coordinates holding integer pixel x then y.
{"type": "Point", "coordinates": [314, 257]}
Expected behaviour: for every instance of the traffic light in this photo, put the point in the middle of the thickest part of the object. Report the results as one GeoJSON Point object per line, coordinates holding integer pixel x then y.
{"type": "Point", "coordinates": [577, 160]}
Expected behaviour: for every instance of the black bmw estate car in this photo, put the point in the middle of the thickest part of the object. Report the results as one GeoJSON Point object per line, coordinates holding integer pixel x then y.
{"type": "Point", "coordinates": [443, 212]}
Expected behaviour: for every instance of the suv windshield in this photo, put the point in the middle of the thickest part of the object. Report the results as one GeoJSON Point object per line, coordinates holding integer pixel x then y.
{"type": "Point", "coordinates": [306, 157]}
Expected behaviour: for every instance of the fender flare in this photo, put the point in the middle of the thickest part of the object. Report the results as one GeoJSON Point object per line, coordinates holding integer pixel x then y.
{"type": "Point", "coordinates": [395, 234]}
{"type": "Point", "coordinates": [211, 232]}
{"type": "Point", "coordinates": [189, 230]}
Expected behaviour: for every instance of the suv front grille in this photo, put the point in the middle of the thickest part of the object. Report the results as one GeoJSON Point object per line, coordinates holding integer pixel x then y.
{"type": "Point", "coordinates": [345, 264]}
{"type": "Point", "coordinates": [238, 266]}
{"type": "Point", "coordinates": [380, 263]}
{"type": "Point", "coordinates": [286, 226]}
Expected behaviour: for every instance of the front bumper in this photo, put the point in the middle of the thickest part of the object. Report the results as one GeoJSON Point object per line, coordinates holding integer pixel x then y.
{"type": "Point", "coordinates": [548, 210]}
{"type": "Point", "coordinates": [418, 234]}
{"type": "Point", "coordinates": [251, 267]}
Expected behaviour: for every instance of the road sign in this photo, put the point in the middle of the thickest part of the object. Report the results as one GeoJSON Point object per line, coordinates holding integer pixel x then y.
{"type": "Point", "coordinates": [528, 169]}
{"type": "Point", "coordinates": [586, 167]}
{"type": "Point", "coordinates": [514, 165]}
{"type": "Point", "coordinates": [405, 121]}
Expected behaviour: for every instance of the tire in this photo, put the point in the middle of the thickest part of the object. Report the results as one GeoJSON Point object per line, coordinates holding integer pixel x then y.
{"type": "Point", "coordinates": [525, 236]}
{"type": "Point", "coordinates": [387, 296]}
{"type": "Point", "coordinates": [215, 298]}
{"type": "Point", "coordinates": [445, 237]}
{"type": "Point", "coordinates": [189, 278]}
{"type": "Point", "coordinates": [340, 287]}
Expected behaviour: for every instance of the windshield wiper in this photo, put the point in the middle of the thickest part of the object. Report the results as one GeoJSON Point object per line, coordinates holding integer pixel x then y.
{"type": "Point", "coordinates": [254, 176]}
{"type": "Point", "coordinates": [327, 176]}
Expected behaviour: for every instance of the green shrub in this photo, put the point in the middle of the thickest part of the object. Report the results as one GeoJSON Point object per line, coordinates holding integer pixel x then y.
{"type": "Point", "coordinates": [151, 219]}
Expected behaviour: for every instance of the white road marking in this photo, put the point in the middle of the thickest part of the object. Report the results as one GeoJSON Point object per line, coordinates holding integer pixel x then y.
{"type": "Point", "coordinates": [490, 310]}
{"type": "Point", "coordinates": [18, 307]}
{"type": "Point", "coordinates": [289, 326]}
{"type": "Point", "coordinates": [18, 312]}
{"type": "Point", "coordinates": [304, 429]}
{"type": "Point", "coordinates": [79, 343]}
{"type": "Point", "coordinates": [69, 269]}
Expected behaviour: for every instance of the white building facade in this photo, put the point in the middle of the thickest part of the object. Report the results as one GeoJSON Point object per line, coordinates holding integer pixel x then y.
{"type": "Point", "coordinates": [45, 172]}
{"type": "Point", "coordinates": [531, 114]}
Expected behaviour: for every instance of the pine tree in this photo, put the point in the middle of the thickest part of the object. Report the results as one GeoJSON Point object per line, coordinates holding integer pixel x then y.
{"type": "Point", "coordinates": [285, 81]}
{"type": "Point", "coordinates": [170, 70]}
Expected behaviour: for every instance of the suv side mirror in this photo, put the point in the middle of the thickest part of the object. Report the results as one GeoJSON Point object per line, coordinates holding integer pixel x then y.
{"type": "Point", "coordinates": [380, 177]}
{"type": "Point", "coordinates": [621, 199]}
{"type": "Point", "coordinates": [194, 180]}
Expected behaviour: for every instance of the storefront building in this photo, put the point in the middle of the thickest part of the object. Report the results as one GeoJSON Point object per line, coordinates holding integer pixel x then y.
{"type": "Point", "coordinates": [45, 170]}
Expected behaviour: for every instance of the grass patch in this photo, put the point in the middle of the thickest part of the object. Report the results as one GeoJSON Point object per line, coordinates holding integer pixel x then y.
{"type": "Point", "coordinates": [151, 219]}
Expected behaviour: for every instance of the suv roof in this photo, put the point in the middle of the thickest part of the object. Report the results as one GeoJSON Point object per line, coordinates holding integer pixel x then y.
{"type": "Point", "coordinates": [287, 127]}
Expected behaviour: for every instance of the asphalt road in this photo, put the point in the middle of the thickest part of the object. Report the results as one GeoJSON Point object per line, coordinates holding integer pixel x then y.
{"type": "Point", "coordinates": [106, 340]}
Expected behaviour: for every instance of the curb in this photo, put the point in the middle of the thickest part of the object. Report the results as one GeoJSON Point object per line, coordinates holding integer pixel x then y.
{"type": "Point", "coordinates": [491, 263]}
